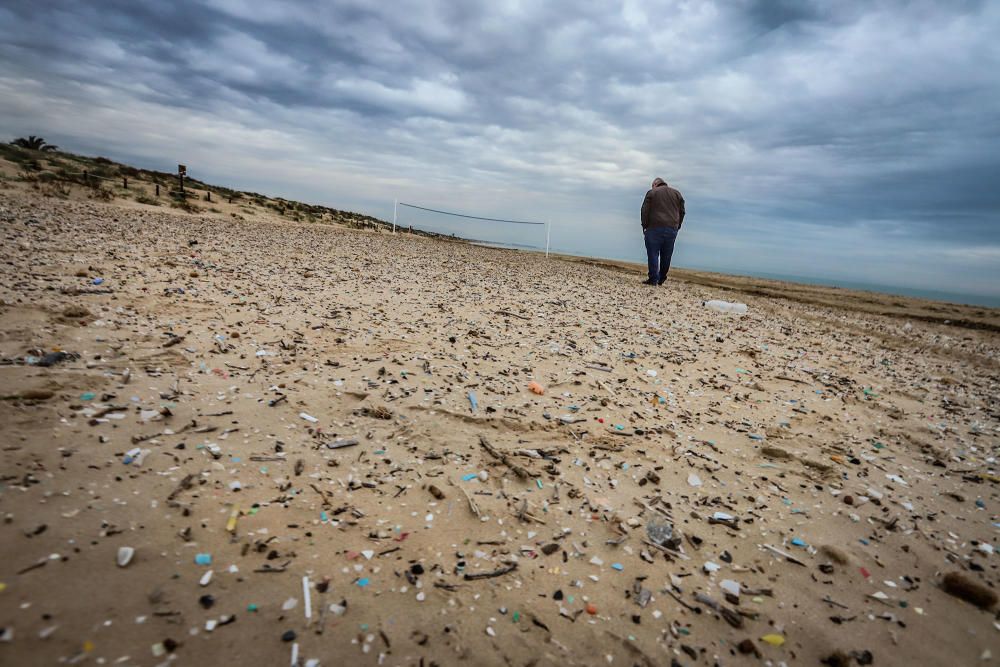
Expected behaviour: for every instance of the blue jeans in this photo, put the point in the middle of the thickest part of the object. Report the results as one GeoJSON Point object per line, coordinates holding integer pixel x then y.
{"type": "Point", "coordinates": [659, 249]}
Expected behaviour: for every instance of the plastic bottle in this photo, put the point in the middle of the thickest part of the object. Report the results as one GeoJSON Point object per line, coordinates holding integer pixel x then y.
{"type": "Point", "coordinates": [726, 306]}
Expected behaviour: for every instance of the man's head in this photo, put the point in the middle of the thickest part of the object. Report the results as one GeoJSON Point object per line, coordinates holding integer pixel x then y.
{"type": "Point", "coordinates": [658, 182]}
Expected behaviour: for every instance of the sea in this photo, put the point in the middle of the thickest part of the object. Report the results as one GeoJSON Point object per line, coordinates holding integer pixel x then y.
{"type": "Point", "coordinates": [916, 292]}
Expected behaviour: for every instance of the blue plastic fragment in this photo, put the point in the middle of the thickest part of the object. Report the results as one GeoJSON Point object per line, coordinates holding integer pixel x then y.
{"type": "Point", "coordinates": [469, 477]}
{"type": "Point", "coordinates": [203, 559]}
{"type": "Point", "coordinates": [473, 402]}
{"type": "Point", "coordinates": [798, 541]}
{"type": "Point", "coordinates": [617, 566]}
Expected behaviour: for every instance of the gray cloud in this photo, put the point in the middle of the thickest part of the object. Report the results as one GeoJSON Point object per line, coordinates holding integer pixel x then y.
{"type": "Point", "coordinates": [828, 139]}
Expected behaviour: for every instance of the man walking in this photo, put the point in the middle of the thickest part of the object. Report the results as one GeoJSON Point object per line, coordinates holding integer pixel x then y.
{"type": "Point", "coordinates": [662, 217]}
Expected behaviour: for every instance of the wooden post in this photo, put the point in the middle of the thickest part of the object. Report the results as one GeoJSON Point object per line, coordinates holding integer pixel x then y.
{"type": "Point", "coordinates": [157, 189]}
{"type": "Point", "coordinates": [208, 195]}
{"type": "Point", "coordinates": [125, 182]}
{"type": "Point", "coordinates": [86, 177]}
{"type": "Point", "coordinates": [181, 170]}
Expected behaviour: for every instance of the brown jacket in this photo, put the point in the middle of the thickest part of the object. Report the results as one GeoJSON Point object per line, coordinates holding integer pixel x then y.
{"type": "Point", "coordinates": [662, 207]}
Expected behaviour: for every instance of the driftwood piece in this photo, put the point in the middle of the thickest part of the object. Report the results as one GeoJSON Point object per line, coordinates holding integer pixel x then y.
{"type": "Point", "coordinates": [504, 459]}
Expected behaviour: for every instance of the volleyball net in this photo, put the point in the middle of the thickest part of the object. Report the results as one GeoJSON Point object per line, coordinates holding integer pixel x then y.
{"type": "Point", "coordinates": [472, 228]}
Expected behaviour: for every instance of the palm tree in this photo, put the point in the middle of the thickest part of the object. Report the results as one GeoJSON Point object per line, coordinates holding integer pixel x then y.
{"type": "Point", "coordinates": [34, 143]}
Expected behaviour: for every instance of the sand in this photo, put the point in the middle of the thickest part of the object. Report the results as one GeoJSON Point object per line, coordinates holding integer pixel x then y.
{"type": "Point", "coordinates": [829, 464]}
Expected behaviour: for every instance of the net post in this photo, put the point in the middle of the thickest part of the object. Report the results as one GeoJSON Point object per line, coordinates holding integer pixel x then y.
{"type": "Point", "coordinates": [548, 235]}
{"type": "Point", "coordinates": [395, 208]}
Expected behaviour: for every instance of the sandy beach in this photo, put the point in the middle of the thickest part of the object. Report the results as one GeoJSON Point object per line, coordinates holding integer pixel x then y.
{"type": "Point", "coordinates": [339, 445]}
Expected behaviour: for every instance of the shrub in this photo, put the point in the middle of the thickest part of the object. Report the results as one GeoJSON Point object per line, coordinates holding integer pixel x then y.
{"type": "Point", "coordinates": [101, 193]}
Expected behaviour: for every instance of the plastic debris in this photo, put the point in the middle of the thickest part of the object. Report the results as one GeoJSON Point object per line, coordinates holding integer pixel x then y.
{"type": "Point", "coordinates": [125, 555]}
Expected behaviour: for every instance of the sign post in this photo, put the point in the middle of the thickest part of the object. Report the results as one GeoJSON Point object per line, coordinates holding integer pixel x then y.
{"type": "Point", "coordinates": [181, 172]}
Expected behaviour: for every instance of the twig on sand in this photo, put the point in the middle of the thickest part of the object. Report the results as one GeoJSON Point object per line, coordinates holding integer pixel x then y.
{"type": "Point", "coordinates": [182, 486]}
{"type": "Point", "coordinates": [504, 459]}
{"type": "Point", "coordinates": [472, 503]}
{"type": "Point", "coordinates": [666, 550]}
{"type": "Point", "coordinates": [34, 566]}
{"type": "Point", "coordinates": [322, 494]}
{"type": "Point", "coordinates": [830, 601]}
{"type": "Point", "coordinates": [266, 568]}
{"type": "Point", "coordinates": [787, 556]}
{"type": "Point", "coordinates": [489, 575]}
{"type": "Point", "coordinates": [507, 312]}
{"type": "Point", "coordinates": [689, 607]}
{"type": "Point", "coordinates": [523, 513]}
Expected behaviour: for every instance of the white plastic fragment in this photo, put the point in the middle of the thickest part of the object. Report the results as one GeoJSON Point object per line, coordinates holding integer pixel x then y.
{"type": "Point", "coordinates": [307, 597]}
{"type": "Point", "coordinates": [125, 555]}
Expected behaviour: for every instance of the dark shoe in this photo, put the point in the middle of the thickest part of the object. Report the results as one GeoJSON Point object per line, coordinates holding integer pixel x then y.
{"type": "Point", "coordinates": [649, 282]}
{"type": "Point", "coordinates": [662, 281]}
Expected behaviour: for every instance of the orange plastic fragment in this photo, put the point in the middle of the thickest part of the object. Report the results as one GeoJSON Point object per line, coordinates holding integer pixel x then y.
{"type": "Point", "coordinates": [536, 388]}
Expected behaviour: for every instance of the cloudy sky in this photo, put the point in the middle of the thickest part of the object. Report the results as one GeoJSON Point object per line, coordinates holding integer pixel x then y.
{"type": "Point", "coordinates": [852, 141]}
